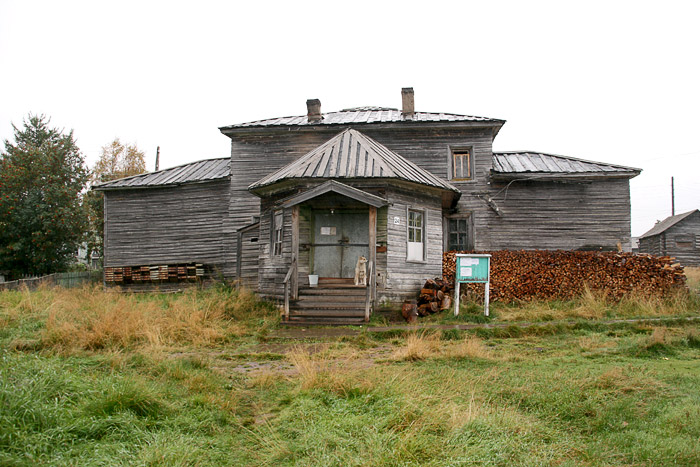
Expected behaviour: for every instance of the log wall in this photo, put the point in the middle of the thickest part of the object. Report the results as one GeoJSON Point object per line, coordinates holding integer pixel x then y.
{"type": "Point", "coordinates": [681, 241]}
{"type": "Point", "coordinates": [170, 225]}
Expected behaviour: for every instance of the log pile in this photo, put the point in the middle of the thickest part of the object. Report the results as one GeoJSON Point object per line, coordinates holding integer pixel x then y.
{"type": "Point", "coordinates": [545, 275]}
{"type": "Point", "coordinates": [436, 295]}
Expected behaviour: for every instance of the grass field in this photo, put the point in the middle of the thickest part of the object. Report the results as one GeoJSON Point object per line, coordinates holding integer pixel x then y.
{"type": "Point", "coordinates": [198, 379]}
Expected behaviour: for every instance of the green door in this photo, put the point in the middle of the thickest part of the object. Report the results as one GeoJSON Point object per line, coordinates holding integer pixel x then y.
{"type": "Point", "coordinates": [339, 240]}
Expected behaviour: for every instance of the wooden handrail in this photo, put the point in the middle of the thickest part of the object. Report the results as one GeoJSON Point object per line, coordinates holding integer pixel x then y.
{"type": "Point", "coordinates": [368, 295]}
{"type": "Point", "coordinates": [292, 271]}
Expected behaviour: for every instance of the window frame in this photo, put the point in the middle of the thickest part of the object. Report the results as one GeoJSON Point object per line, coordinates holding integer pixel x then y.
{"type": "Point", "coordinates": [274, 241]}
{"type": "Point", "coordinates": [424, 231]}
{"type": "Point", "coordinates": [469, 217]}
{"type": "Point", "coordinates": [452, 150]}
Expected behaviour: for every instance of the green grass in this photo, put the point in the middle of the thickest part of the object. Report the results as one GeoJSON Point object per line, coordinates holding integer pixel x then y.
{"type": "Point", "coordinates": [585, 393]}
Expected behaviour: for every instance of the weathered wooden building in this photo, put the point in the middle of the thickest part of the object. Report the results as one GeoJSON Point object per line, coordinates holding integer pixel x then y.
{"type": "Point", "coordinates": [308, 195]}
{"type": "Point", "coordinates": [677, 236]}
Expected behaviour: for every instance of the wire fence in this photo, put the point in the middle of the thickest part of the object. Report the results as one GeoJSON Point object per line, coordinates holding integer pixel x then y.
{"type": "Point", "coordinates": [63, 279]}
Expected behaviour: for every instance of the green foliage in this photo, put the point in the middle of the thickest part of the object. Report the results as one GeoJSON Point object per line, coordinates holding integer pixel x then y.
{"type": "Point", "coordinates": [42, 219]}
{"type": "Point", "coordinates": [117, 160]}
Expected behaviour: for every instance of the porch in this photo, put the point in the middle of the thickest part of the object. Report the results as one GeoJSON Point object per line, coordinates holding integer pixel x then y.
{"type": "Point", "coordinates": [333, 244]}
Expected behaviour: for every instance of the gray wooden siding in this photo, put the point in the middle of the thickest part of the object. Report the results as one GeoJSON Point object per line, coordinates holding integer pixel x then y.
{"type": "Point", "coordinates": [536, 215]}
{"type": "Point", "coordinates": [166, 225]}
{"type": "Point", "coordinates": [272, 269]}
{"type": "Point", "coordinates": [550, 215]}
{"type": "Point", "coordinates": [405, 278]}
{"type": "Point", "coordinates": [250, 253]}
{"type": "Point", "coordinates": [252, 158]}
{"type": "Point", "coordinates": [666, 243]}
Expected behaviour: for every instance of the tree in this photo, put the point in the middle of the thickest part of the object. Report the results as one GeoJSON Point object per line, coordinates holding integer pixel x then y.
{"type": "Point", "coordinates": [42, 219]}
{"type": "Point", "coordinates": [116, 161]}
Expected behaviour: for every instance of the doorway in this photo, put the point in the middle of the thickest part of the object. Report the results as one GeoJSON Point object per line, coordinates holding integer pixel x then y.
{"type": "Point", "coordinates": [340, 237]}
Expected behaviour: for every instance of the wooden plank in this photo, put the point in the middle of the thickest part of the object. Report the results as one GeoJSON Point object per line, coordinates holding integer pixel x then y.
{"type": "Point", "coordinates": [295, 250]}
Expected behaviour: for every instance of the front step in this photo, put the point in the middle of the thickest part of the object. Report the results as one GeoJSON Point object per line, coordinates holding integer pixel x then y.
{"type": "Point", "coordinates": [332, 302]}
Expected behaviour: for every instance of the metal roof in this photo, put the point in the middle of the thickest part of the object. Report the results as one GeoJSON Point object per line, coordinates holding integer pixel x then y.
{"type": "Point", "coordinates": [350, 154]}
{"type": "Point", "coordinates": [200, 171]}
{"type": "Point", "coordinates": [667, 223]}
{"type": "Point", "coordinates": [520, 162]}
{"type": "Point", "coordinates": [364, 115]}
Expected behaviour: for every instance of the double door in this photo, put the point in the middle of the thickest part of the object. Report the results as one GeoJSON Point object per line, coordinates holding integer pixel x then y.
{"type": "Point", "coordinates": [339, 239]}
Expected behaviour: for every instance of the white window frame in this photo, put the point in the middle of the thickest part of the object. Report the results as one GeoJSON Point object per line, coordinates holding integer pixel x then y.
{"type": "Point", "coordinates": [416, 251]}
{"type": "Point", "coordinates": [276, 232]}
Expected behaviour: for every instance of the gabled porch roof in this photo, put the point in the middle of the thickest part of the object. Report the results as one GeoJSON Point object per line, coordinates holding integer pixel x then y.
{"type": "Point", "coordinates": [336, 187]}
{"type": "Point", "coordinates": [352, 155]}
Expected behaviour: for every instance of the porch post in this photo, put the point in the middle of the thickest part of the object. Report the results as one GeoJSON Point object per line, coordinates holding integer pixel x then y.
{"type": "Point", "coordinates": [373, 250]}
{"type": "Point", "coordinates": [295, 249]}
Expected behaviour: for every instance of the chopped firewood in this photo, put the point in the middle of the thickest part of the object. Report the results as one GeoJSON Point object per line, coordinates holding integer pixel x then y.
{"type": "Point", "coordinates": [545, 275]}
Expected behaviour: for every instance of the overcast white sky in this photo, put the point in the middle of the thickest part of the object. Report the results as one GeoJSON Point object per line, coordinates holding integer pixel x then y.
{"type": "Point", "coordinates": [616, 82]}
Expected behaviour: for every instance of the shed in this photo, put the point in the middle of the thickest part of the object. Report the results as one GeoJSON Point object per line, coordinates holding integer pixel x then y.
{"type": "Point", "coordinates": [677, 236]}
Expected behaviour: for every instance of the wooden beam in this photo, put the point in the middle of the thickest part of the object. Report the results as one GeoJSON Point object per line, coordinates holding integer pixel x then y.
{"type": "Point", "coordinates": [372, 248]}
{"type": "Point", "coordinates": [295, 249]}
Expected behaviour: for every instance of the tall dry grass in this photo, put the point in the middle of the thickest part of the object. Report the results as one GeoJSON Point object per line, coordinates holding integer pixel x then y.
{"type": "Point", "coordinates": [429, 345]}
{"type": "Point", "coordinates": [597, 304]}
{"type": "Point", "coordinates": [90, 318]}
{"type": "Point", "coordinates": [693, 276]}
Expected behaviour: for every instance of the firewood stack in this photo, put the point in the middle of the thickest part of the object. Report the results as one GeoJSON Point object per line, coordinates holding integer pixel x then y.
{"type": "Point", "coordinates": [544, 275]}
{"type": "Point", "coordinates": [434, 296]}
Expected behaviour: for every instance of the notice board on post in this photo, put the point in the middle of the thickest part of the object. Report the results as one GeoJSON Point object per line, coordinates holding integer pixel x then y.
{"type": "Point", "coordinates": [472, 268]}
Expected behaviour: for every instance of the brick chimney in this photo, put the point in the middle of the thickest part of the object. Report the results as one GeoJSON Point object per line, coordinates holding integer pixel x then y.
{"type": "Point", "coordinates": [407, 106]}
{"type": "Point", "coordinates": [313, 108]}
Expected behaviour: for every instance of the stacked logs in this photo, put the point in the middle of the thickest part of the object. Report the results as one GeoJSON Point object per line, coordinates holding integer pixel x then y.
{"type": "Point", "coordinates": [436, 295]}
{"type": "Point", "coordinates": [544, 275]}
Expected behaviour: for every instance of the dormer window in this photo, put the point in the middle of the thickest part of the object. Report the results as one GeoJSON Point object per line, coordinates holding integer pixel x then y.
{"type": "Point", "coordinates": [461, 164]}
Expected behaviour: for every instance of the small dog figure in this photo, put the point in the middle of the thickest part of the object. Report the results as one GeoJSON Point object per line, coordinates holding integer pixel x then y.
{"type": "Point", "coordinates": [361, 271]}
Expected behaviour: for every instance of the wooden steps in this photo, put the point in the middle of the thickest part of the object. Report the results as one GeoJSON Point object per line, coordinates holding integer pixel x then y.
{"type": "Point", "coordinates": [333, 302]}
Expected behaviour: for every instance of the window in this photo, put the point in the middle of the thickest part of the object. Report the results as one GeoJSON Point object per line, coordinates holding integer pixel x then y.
{"type": "Point", "coordinates": [416, 235]}
{"type": "Point", "coordinates": [685, 241]}
{"type": "Point", "coordinates": [277, 224]}
{"type": "Point", "coordinates": [458, 238]}
{"type": "Point", "coordinates": [461, 164]}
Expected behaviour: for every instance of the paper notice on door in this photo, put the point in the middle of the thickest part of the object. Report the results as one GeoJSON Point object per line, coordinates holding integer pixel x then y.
{"type": "Point", "coordinates": [470, 261]}
{"type": "Point", "coordinates": [327, 230]}
{"type": "Point", "coordinates": [465, 271]}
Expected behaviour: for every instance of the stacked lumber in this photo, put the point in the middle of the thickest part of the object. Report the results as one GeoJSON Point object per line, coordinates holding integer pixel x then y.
{"type": "Point", "coordinates": [544, 275]}
{"type": "Point", "coordinates": [157, 274]}
{"type": "Point", "coordinates": [434, 296]}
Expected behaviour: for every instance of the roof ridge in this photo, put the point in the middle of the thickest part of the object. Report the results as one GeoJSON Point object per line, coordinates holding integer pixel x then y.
{"type": "Point", "coordinates": [161, 171]}
{"type": "Point", "coordinates": [669, 222]}
{"type": "Point", "coordinates": [571, 158]}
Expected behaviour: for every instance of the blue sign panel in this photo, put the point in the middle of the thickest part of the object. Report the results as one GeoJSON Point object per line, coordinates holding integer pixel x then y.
{"type": "Point", "coordinates": [473, 268]}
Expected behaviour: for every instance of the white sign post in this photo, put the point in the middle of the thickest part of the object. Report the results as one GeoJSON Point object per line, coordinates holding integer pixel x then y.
{"type": "Point", "coordinates": [472, 269]}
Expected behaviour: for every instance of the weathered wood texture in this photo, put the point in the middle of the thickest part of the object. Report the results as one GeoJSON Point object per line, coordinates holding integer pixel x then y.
{"type": "Point", "coordinates": [556, 216]}
{"type": "Point", "coordinates": [403, 278]}
{"type": "Point", "coordinates": [681, 241]}
{"type": "Point", "coordinates": [250, 252]}
{"type": "Point", "coordinates": [166, 225]}
{"type": "Point", "coordinates": [544, 215]}
{"type": "Point", "coordinates": [273, 268]}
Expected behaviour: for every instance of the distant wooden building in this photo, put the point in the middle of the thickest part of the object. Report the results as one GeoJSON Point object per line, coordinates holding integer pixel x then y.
{"type": "Point", "coordinates": [677, 236]}
{"type": "Point", "coordinates": [307, 196]}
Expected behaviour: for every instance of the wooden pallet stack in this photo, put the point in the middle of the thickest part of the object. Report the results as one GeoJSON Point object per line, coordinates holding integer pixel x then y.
{"type": "Point", "coordinates": [190, 272]}
{"type": "Point", "coordinates": [545, 275]}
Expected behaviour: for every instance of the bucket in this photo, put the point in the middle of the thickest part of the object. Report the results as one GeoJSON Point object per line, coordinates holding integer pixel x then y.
{"type": "Point", "coordinates": [313, 280]}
